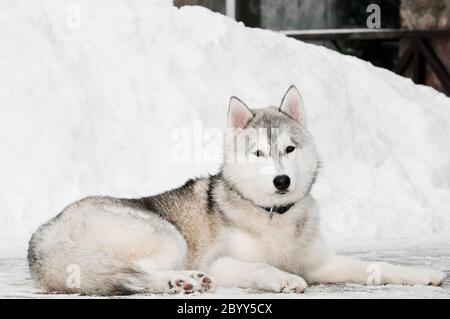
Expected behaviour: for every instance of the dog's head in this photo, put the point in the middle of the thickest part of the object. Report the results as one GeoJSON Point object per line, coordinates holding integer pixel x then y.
{"type": "Point", "coordinates": [270, 156]}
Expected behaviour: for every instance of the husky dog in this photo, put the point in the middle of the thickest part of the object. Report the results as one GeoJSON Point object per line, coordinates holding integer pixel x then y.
{"type": "Point", "coordinates": [252, 225]}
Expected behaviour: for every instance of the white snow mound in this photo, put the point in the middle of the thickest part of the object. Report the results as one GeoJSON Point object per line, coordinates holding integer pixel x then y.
{"type": "Point", "coordinates": [91, 91]}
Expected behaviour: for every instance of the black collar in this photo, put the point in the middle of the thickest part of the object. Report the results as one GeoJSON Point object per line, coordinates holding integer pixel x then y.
{"type": "Point", "coordinates": [278, 209]}
{"type": "Point", "coordinates": [270, 209]}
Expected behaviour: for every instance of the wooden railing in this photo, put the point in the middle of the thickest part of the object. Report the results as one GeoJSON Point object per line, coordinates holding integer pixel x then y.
{"type": "Point", "coordinates": [418, 54]}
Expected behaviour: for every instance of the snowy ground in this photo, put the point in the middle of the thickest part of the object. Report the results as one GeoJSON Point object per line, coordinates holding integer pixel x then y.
{"type": "Point", "coordinates": [15, 281]}
{"type": "Point", "coordinates": [92, 91]}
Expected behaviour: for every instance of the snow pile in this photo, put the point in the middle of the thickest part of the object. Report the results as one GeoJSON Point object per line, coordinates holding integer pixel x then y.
{"type": "Point", "coordinates": [91, 91]}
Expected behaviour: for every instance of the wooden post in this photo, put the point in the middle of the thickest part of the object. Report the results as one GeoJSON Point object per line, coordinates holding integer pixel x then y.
{"type": "Point", "coordinates": [428, 15]}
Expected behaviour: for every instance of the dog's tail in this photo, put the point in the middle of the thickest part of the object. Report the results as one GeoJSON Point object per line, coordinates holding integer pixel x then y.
{"type": "Point", "coordinates": [59, 265]}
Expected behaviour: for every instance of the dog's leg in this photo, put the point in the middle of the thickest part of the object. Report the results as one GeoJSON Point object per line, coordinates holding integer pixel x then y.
{"type": "Point", "coordinates": [172, 281]}
{"type": "Point", "coordinates": [343, 269]}
{"type": "Point", "coordinates": [230, 272]}
{"type": "Point", "coordinates": [164, 270]}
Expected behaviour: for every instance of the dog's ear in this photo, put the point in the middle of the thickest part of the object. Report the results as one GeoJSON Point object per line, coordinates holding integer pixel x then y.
{"type": "Point", "coordinates": [292, 105]}
{"type": "Point", "coordinates": [238, 113]}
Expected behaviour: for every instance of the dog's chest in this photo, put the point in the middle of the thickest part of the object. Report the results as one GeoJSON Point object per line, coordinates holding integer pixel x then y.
{"type": "Point", "coordinates": [281, 246]}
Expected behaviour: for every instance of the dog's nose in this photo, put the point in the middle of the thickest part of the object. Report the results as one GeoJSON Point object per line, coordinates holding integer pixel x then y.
{"type": "Point", "coordinates": [281, 182]}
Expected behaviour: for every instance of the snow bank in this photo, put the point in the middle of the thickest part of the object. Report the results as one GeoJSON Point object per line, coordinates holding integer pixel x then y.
{"type": "Point", "coordinates": [91, 91]}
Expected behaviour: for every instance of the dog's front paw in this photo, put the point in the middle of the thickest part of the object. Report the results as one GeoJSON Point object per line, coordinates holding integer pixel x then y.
{"type": "Point", "coordinates": [280, 281]}
{"type": "Point", "coordinates": [294, 284]}
{"type": "Point", "coordinates": [432, 278]}
{"type": "Point", "coordinates": [411, 276]}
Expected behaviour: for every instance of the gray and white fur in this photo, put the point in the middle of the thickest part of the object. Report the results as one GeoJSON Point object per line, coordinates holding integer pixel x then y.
{"type": "Point", "coordinates": [252, 225]}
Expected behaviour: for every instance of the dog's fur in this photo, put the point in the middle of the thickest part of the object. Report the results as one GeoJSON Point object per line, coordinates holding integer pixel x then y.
{"type": "Point", "coordinates": [235, 226]}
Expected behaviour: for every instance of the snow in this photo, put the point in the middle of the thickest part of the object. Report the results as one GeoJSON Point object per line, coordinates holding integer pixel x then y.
{"type": "Point", "coordinates": [15, 281]}
{"type": "Point", "coordinates": [92, 93]}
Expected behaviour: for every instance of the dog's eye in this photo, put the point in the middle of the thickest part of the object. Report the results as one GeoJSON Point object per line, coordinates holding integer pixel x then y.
{"type": "Point", "coordinates": [259, 153]}
{"type": "Point", "coordinates": [290, 149]}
